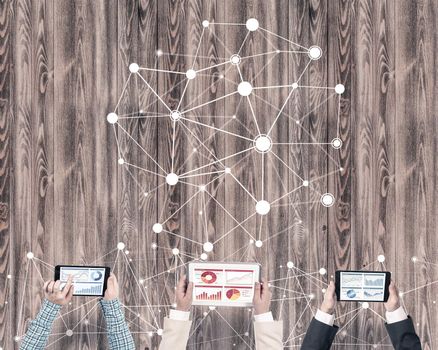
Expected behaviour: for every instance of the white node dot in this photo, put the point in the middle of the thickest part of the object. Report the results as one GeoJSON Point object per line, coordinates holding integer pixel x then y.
{"type": "Point", "coordinates": [400, 294]}
{"type": "Point", "coordinates": [112, 118]}
{"type": "Point", "coordinates": [365, 305]}
{"type": "Point", "coordinates": [227, 170]}
{"type": "Point", "coordinates": [191, 74]}
{"type": "Point", "coordinates": [154, 246]}
{"type": "Point", "coordinates": [17, 338]}
{"type": "Point", "coordinates": [258, 243]}
{"type": "Point", "coordinates": [290, 264]}
{"type": "Point", "coordinates": [311, 296]}
{"type": "Point", "coordinates": [252, 24]}
{"type": "Point", "coordinates": [127, 252]}
{"type": "Point", "coordinates": [336, 143]}
{"type": "Point", "coordinates": [205, 313]}
{"type": "Point", "coordinates": [263, 143]}
{"type": "Point", "coordinates": [315, 52]}
{"type": "Point", "coordinates": [175, 251]}
{"type": "Point", "coordinates": [204, 256]}
{"type": "Point", "coordinates": [251, 241]}
{"type": "Point", "coordinates": [121, 161]}
{"type": "Point", "coordinates": [200, 212]}
{"type": "Point", "coordinates": [381, 258]}
{"type": "Point", "coordinates": [202, 188]}
{"type": "Point", "coordinates": [30, 255]}
{"type": "Point", "coordinates": [294, 85]}
{"type": "Point", "coordinates": [141, 280]}
{"type": "Point", "coordinates": [133, 67]}
{"type": "Point", "coordinates": [159, 52]}
{"type": "Point", "coordinates": [212, 307]}
{"type": "Point", "coordinates": [175, 115]}
{"type": "Point", "coordinates": [235, 59]}
{"type": "Point", "coordinates": [157, 228]}
{"type": "Point", "coordinates": [120, 246]}
{"type": "Point", "coordinates": [305, 183]}
{"type": "Point", "coordinates": [277, 51]}
{"type": "Point", "coordinates": [205, 23]}
{"type": "Point", "coordinates": [160, 332]}
{"type": "Point", "coordinates": [9, 276]}
{"type": "Point", "coordinates": [327, 199]}
{"type": "Point", "coordinates": [172, 179]}
{"type": "Point", "coordinates": [263, 207]}
{"type": "Point", "coordinates": [244, 88]}
{"type": "Point", "coordinates": [246, 334]}
{"type": "Point", "coordinates": [69, 333]}
{"type": "Point", "coordinates": [414, 259]}
{"type": "Point", "coordinates": [339, 89]}
{"type": "Point", "coordinates": [324, 290]}
{"type": "Point", "coordinates": [208, 247]}
{"type": "Point", "coordinates": [322, 271]}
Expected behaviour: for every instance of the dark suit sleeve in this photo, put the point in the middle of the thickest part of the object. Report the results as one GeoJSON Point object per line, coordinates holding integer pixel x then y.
{"type": "Point", "coordinates": [319, 336]}
{"type": "Point", "coordinates": [403, 335]}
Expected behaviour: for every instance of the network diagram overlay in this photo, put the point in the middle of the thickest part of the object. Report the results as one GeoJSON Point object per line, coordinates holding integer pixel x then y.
{"type": "Point", "coordinates": [232, 126]}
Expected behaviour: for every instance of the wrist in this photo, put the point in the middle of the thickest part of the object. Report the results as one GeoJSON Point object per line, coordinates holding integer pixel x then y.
{"type": "Point", "coordinates": [327, 310]}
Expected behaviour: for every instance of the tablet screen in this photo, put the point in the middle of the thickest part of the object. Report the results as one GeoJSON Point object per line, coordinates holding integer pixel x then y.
{"type": "Point", "coordinates": [87, 281]}
{"type": "Point", "coordinates": [363, 286]}
{"type": "Point", "coordinates": [223, 284]}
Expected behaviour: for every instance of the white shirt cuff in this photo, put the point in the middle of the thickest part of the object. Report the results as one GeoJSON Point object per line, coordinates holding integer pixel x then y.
{"type": "Point", "coordinates": [178, 315]}
{"type": "Point", "coordinates": [396, 315]}
{"type": "Point", "coordinates": [324, 317]}
{"type": "Point", "coordinates": [266, 317]}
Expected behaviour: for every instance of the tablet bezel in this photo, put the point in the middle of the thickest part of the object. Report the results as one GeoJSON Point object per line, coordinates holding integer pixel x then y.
{"type": "Point", "coordinates": [198, 264]}
{"type": "Point", "coordinates": [338, 285]}
{"type": "Point", "coordinates": [107, 274]}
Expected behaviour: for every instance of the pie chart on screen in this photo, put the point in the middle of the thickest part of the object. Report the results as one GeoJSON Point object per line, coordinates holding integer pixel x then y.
{"type": "Point", "coordinates": [208, 277]}
{"type": "Point", "coordinates": [233, 294]}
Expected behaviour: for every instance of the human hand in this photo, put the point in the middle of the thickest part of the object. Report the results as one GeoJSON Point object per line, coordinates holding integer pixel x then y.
{"type": "Point", "coordinates": [184, 296]}
{"type": "Point", "coordinates": [393, 302]}
{"type": "Point", "coordinates": [54, 294]}
{"type": "Point", "coordinates": [262, 297]}
{"type": "Point", "coordinates": [329, 302]}
{"type": "Point", "coordinates": [112, 288]}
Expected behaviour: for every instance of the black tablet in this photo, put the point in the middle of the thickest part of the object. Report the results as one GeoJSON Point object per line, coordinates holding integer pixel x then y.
{"type": "Point", "coordinates": [87, 280]}
{"type": "Point", "coordinates": [370, 286]}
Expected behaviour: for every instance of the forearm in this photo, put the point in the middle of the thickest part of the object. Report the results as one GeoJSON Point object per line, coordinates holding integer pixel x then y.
{"type": "Point", "coordinates": [119, 336]}
{"type": "Point", "coordinates": [40, 328]}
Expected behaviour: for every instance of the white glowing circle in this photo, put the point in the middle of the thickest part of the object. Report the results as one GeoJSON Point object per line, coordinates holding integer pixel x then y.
{"type": "Point", "coordinates": [235, 59]}
{"type": "Point", "coordinates": [121, 161]}
{"type": "Point", "coordinates": [315, 52]}
{"type": "Point", "coordinates": [322, 271]}
{"type": "Point", "coordinates": [204, 256]}
{"type": "Point", "coordinates": [133, 67]}
{"type": "Point", "coordinates": [244, 88]}
{"type": "Point", "coordinates": [311, 296]}
{"type": "Point", "coordinates": [365, 305]}
{"type": "Point", "coordinates": [120, 246]}
{"type": "Point", "coordinates": [414, 259]}
{"type": "Point", "coordinates": [30, 255]}
{"type": "Point", "coordinates": [336, 143]}
{"type": "Point", "coordinates": [212, 307]}
{"type": "Point", "coordinates": [205, 23]}
{"type": "Point", "coordinates": [160, 332]}
{"type": "Point", "coordinates": [290, 264]}
{"type": "Point", "coordinates": [258, 243]}
{"type": "Point", "coordinates": [159, 52]}
{"type": "Point", "coordinates": [172, 179]}
{"type": "Point", "coordinates": [202, 188]}
{"type": "Point", "coordinates": [381, 258]}
{"type": "Point", "coordinates": [205, 313]}
{"type": "Point", "coordinates": [175, 251]}
{"type": "Point", "coordinates": [327, 199]}
{"type": "Point", "coordinates": [339, 89]}
{"type": "Point", "coordinates": [324, 290]}
{"type": "Point", "coordinates": [191, 74]}
{"type": "Point", "coordinates": [305, 183]}
{"type": "Point", "coordinates": [17, 338]}
{"type": "Point", "coordinates": [252, 24]}
{"type": "Point", "coordinates": [294, 85]}
{"type": "Point", "coordinates": [227, 170]}
{"type": "Point", "coordinates": [208, 247]}
{"type": "Point", "coordinates": [69, 333]}
{"type": "Point", "coordinates": [263, 143]}
{"type": "Point", "coordinates": [9, 276]}
{"type": "Point", "coordinates": [263, 207]}
{"type": "Point", "coordinates": [175, 115]}
{"type": "Point", "coordinates": [112, 118]}
{"type": "Point", "coordinates": [157, 228]}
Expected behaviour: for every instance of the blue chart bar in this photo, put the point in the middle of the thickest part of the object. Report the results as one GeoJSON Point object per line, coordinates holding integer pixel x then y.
{"type": "Point", "coordinates": [87, 289]}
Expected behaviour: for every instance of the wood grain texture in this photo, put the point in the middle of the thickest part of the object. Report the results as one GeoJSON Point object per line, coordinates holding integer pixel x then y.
{"type": "Point", "coordinates": [63, 195]}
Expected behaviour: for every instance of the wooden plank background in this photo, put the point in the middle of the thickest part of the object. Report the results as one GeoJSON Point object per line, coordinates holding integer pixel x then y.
{"type": "Point", "coordinates": [63, 196]}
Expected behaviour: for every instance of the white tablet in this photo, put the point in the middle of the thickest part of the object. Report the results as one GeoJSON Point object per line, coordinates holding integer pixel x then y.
{"type": "Point", "coordinates": [223, 284]}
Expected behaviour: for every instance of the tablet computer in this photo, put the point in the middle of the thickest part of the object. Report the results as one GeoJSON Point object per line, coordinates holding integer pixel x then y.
{"type": "Point", "coordinates": [223, 284]}
{"type": "Point", "coordinates": [87, 280]}
{"type": "Point", "coordinates": [371, 286]}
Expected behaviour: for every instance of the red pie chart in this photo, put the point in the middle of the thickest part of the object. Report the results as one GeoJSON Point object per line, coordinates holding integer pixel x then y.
{"type": "Point", "coordinates": [208, 277]}
{"type": "Point", "coordinates": [233, 294]}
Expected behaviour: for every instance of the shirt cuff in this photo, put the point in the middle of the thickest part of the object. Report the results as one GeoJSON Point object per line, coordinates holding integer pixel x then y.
{"type": "Point", "coordinates": [325, 318]}
{"type": "Point", "coordinates": [396, 315]}
{"type": "Point", "coordinates": [178, 315]}
{"type": "Point", "coordinates": [266, 317]}
{"type": "Point", "coordinates": [49, 311]}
